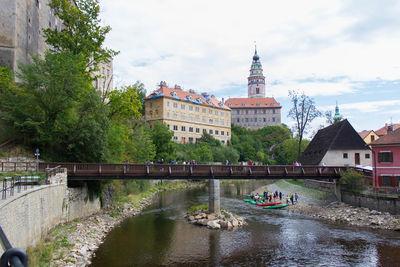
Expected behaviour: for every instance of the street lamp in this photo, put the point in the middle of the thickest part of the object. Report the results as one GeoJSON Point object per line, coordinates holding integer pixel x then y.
{"type": "Point", "coordinates": [37, 154]}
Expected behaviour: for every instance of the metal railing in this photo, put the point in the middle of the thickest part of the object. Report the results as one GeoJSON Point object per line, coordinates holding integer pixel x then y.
{"type": "Point", "coordinates": [97, 171]}
{"type": "Point", "coordinates": [11, 256]}
{"type": "Point", "coordinates": [19, 182]}
{"type": "Point", "coordinates": [383, 191]}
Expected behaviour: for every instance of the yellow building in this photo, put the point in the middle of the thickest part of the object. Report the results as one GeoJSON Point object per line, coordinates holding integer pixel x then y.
{"type": "Point", "coordinates": [368, 136]}
{"type": "Point", "coordinates": [188, 114]}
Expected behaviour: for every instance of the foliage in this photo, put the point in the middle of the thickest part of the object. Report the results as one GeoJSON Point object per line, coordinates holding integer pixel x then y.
{"type": "Point", "coordinates": [286, 152]}
{"type": "Point", "coordinates": [82, 33]}
{"type": "Point", "coordinates": [257, 145]}
{"type": "Point", "coordinates": [303, 112]}
{"type": "Point", "coordinates": [56, 109]}
{"type": "Point", "coordinates": [124, 104]}
{"type": "Point", "coordinates": [351, 179]}
{"type": "Point", "coordinates": [162, 139]}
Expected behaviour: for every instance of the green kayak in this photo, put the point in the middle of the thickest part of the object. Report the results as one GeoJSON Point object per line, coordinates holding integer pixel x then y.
{"type": "Point", "coordinates": [276, 206]}
{"type": "Point", "coordinates": [247, 200]}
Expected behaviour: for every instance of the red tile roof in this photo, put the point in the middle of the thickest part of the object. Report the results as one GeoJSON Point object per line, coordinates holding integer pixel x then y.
{"type": "Point", "coordinates": [364, 133]}
{"type": "Point", "coordinates": [252, 102]}
{"type": "Point", "coordinates": [183, 95]}
{"type": "Point", "coordinates": [383, 130]}
{"type": "Point", "coordinates": [391, 138]}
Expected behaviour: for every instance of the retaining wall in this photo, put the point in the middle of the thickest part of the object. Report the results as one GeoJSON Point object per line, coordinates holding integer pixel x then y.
{"type": "Point", "coordinates": [29, 215]}
{"type": "Point", "coordinates": [374, 202]}
{"type": "Point", "coordinates": [381, 203]}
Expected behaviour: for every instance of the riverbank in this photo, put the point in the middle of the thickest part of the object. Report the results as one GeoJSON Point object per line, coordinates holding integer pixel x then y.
{"type": "Point", "coordinates": [323, 205]}
{"type": "Point", "coordinates": [74, 243]}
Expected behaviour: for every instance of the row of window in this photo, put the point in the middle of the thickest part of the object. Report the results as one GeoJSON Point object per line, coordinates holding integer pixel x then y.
{"type": "Point", "coordinates": [255, 111]}
{"type": "Point", "coordinates": [255, 119]}
{"type": "Point", "coordinates": [346, 155]}
{"type": "Point", "coordinates": [197, 109]}
{"type": "Point", "coordinates": [245, 124]}
{"type": "Point", "coordinates": [197, 130]}
{"type": "Point", "coordinates": [388, 180]}
{"type": "Point", "coordinates": [197, 118]}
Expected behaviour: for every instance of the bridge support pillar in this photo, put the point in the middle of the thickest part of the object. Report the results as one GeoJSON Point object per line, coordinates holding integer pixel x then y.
{"type": "Point", "coordinates": [338, 192]}
{"type": "Point", "coordinates": [214, 196]}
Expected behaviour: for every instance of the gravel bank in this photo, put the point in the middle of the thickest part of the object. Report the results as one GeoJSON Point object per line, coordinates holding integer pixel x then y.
{"type": "Point", "coordinates": [324, 205]}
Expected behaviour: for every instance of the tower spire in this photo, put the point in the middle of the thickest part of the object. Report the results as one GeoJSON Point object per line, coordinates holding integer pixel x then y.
{"type": "Point", "coordinates": [256, 80]}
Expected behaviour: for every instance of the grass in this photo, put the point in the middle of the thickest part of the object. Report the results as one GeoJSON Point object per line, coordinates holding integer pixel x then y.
{"type": "Point", "coordinates": [13, 174]}
{"type": "Point", "coordinates": [295, 182]}
{"type": "Point", "coordinates": [304, 191]}
{"type": "Point", "coordinates": [42, 253]}
{"type": "Point", "coordinates": [201, 207]}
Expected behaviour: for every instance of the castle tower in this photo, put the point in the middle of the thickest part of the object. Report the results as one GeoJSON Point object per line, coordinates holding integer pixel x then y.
{"type": "Point", "coordinates": [256, 80]}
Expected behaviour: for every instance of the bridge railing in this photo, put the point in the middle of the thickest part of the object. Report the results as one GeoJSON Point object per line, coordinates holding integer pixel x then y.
{"type": "Point", "coordinates": [161, 171]}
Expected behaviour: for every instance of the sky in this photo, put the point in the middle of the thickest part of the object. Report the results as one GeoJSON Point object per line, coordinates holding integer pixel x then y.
{"type": "Point", "coordinates": [334, 51]}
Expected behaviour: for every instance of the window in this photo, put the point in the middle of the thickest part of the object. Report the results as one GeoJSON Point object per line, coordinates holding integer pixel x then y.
{"type": "Point", "coordinates": [197, 118]}
{"type": "Point", "coordinates": [191, 129]}
{"type": "Point", "coordinates": [175, 105]}
{"type": "Point", "coordinates": [216, 122]}
{"type": "Point", "coordinates": [183, 128]}
{"type": "Point", "coordinates": [273, 111]}
{"type": "Point", "coordinates": [345, 155]}
{"type": "Point", "coordinates": [227, 133]}
{"type": "Point", "coordinates": [183, 106]}
{"type": "Point", "coordinates": [386, 180]}
{"type": "Point", "coordinates": [190, 139]}
{"type": "Point", "coordinates": [167, 103]}
{"type": "Point", "coordinates": [203, 110]}
{"type": "Point", "coordinates": [264, 111]}
{"type": "Point", "coordinates": [191, 118]}
{"type": "Point", "coordinates": [210, 131]}
{"type": "Point", "coordinates": [255, 111]}
{"type": "Point", "coordinates": [223, 141]}
{"type": "Point", "coordinates": [175, 127]}
{"type": "Point", "coordinates": [168, 126]}
{"type": "Point", "coordinates": [204, 130]}
{"type": "Point", "coordinates": [238, 119]}
{"type": "Point", "coordinates": [367, 156]}
{"type": "Point", "coordinates": [216, 132]}
{"type": "Point", "coordinates": [222, 132]}
{"type": "Point", "coordinates": [385, 157]}
{"type": "Point", "coordinates": [183, 116]}
{"type": "Point", "coordinates": [197, 130]}
{"type": "Point", "coordinates": [216, 112]}
{"type": "Point", "coordinates": [168, 114]}
{"type": "Point", "coordinates": [210, 121]}
{"type": "Point", "coordinates": [247, 119]}
{"type": "Point", "coordinates": [222, 123]}
{"type": "Point", "coordinates": [197, 109]}
{"type": "Point", "coordinates": [238, 111]}
{"type": "Point", "coordinates": [222, 113]}
{"type": "Point", "coordinates": [175, 138]}
{"type": "Point", "coordinates": [247, 112]}
{"type": "Point", "coordinates": [204, 119]}
{"type": "Point", "coordinates": [210, 111]}
{"type": "Point", "coordinates": [175, 116]}
{"type": "Point", "coordinates": [372, 138]}
{"type": "Point", "coordinates": [273, 119]}
{"type": "Point", "coordinates": [191, 108]}
{"type": "Point", "coordinates": [264, 120]}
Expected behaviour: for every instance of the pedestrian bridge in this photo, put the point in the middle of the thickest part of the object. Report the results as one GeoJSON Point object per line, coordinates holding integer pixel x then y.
{"type": "Point", "coordinates": [108, 171]}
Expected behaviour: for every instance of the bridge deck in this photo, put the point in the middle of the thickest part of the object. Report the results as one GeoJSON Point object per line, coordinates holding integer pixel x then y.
{"type": "Point", "coordinates": [106, 171]}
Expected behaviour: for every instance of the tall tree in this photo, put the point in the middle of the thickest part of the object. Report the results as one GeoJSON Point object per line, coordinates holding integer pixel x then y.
{"type": "Point", "coordinates": [303, 112]}
{"type": "Point", "coordinates": [124, 104]}
{"type": "Point", "coordinates": [56, 109]}
{"type": "Point", "coordinates": [162, 139]}
{"type": "Point", "coordinates": [82, 33]}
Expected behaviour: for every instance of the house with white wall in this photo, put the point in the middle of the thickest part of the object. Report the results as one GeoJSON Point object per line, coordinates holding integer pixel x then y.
{"type": "Point", "coordinates": [337, 145]}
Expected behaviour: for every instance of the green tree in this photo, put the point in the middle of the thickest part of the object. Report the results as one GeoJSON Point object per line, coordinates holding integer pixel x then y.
{"type": "Point", "coordinates": [82, 33]}
{"type": "Point", "coordinates": [162, 139]}
{"type": "Point", "coordinates": [124, 104]}
{"type": "Point", "coordinates": [286, 152]}
{"type": "Point", "coordinates": [303, 112]}
{"type": "Point", "coordinates": [56, 109]}
{"type": "Point", "coordinates": [202, 153]}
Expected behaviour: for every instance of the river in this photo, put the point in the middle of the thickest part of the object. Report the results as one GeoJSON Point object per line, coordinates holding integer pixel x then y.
{"type": "Point", "coordinates": [161, 236]}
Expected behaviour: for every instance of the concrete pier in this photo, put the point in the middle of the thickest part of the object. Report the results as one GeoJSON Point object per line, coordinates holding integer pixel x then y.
{"type": "Point", "coordinates": [214, 197]}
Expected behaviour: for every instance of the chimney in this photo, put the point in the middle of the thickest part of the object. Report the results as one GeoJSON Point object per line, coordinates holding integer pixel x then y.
{"type": "Point", "coordinates": [390, 128]}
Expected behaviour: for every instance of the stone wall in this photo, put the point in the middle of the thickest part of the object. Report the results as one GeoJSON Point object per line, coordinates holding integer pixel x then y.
{"type": "Point", "coordinates": [384, 204]}
{"type": "Point", "coordinates": [320, 185]}
{"type": "Point", "coordinates": [380, 203]}
{"type": "Point", "coordinates": [29, 215]}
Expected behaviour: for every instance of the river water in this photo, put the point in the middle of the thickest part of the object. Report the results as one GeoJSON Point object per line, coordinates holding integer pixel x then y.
{"type": "Point", "coordinates": [161, 237]}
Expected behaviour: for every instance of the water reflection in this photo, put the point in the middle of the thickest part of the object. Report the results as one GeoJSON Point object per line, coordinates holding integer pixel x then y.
{"type": "Point", "coordinates": [160, 236]}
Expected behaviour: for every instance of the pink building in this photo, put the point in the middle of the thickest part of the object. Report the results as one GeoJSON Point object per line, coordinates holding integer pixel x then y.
{"type": "Point", "coordinates": [386, 160]}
